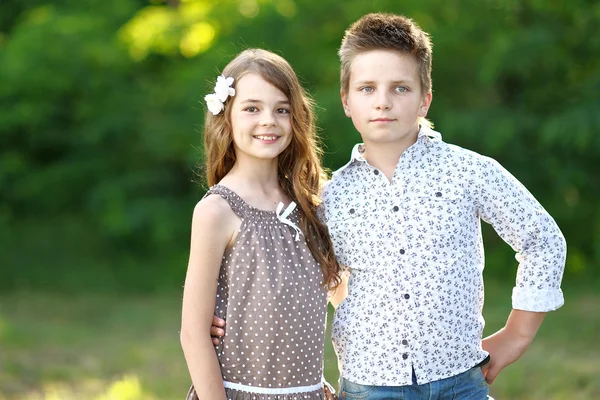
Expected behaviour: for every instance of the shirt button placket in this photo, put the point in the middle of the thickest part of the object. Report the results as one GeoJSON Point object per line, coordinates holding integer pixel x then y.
{"type": "Point", "coordinates": [396, 225]}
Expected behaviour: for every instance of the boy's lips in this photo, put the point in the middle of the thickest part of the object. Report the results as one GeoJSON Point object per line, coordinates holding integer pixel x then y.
{"type": "Point", "coordinates": [383, 120]}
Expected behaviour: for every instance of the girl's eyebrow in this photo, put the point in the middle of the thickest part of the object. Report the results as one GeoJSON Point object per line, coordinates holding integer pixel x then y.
{"type": "Point", "coordinates": [260, 101]}
{"type": "Point", "coordinates": [251, 101]}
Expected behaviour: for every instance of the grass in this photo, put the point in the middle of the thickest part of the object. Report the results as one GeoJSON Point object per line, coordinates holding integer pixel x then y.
{"type": "Point", "coordinates": [103, 347]}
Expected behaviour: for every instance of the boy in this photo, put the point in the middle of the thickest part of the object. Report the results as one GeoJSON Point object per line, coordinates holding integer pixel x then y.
{"type": "Point", "coordinates": [404, 217]}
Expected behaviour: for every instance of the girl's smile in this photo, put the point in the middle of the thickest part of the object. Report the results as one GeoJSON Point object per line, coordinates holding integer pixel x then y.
{"type": "Point", "coordinates": [267, 139]}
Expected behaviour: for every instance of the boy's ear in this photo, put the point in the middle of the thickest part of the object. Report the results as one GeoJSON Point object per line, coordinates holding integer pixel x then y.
{"type": "Point", "coordinates": [345, 103]}
{"type": "Point", "coordinates": [425, 103]}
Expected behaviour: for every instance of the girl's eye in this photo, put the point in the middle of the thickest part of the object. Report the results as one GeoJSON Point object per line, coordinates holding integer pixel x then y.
{"type": "Point", "coordinates": [283, 111]}
{"type": "Point", "coordinates": [366, 89]}
{"type": "Point", "coordinates": [401, 89]}
{"type": "Point", "coordinates": [251, 109]}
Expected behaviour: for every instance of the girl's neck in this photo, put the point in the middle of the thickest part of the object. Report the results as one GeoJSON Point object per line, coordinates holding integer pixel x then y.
{"type": "Point", "coordinates": [257, 172]}
{"type": "Point", "coordinates": [257, 182]}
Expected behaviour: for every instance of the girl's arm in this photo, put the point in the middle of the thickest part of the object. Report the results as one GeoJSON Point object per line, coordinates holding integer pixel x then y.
{"type": "Point", "coordinates": [213, 229]}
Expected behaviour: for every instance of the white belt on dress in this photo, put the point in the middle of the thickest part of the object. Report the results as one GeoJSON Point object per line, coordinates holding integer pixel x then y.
{"type": "Point", "coordinates": [263, 390]}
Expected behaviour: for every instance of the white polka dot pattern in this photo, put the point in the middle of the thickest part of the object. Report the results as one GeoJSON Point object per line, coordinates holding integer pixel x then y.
{"type": "Point", "coordinates": [415, 253]}
{"type": "Point", "coordinates": [271, 295]}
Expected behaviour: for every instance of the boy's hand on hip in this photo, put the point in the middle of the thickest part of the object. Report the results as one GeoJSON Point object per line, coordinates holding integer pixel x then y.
{"type": "Point", "coordinates": [504, 350]}
{"type": "Point", "coordinates": [508, 344]}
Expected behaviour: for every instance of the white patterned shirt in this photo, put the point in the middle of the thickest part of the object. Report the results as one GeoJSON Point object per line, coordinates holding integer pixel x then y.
{"type": "Point", "coordinates": [415, 252]}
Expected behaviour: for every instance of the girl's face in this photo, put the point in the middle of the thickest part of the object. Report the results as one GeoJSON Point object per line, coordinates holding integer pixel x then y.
{"type": "Point", "coordinates": [260, 119]}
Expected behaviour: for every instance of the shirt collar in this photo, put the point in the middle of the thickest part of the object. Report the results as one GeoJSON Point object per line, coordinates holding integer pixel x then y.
{"type": "Point", "coordinates": [425, 136]}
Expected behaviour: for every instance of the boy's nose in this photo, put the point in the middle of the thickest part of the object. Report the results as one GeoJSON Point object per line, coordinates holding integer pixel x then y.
{"type": "Point", "coordinates": [383, 102]}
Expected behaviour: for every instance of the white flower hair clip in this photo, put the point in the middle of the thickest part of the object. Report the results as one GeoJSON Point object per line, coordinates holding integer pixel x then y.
{"type": "Point", "coordinates": [216, 101]}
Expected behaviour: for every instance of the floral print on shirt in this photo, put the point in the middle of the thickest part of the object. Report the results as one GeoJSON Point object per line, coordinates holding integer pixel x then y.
{"type": "Point", "coordinates": [415, 252]}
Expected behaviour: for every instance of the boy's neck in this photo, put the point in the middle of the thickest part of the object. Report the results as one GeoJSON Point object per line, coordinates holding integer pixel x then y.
{"type": "Point", "coordinates": [385, 156]}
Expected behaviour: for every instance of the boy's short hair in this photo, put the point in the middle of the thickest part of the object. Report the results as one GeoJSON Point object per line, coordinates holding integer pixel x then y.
{"type": "Point", "coordinates": [381, 31]}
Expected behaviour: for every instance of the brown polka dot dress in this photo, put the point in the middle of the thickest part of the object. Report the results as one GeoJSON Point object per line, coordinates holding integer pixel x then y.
{"type": "Point", "coordinates": [271, 296]}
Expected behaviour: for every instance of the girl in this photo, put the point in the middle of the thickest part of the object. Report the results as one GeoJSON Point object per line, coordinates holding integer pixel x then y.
{"type": "Point", "coordinates": [259, 258]}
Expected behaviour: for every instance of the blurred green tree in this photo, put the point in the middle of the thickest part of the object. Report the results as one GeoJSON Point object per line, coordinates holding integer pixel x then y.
{"type": "Point", "coordinates": [100, 118]}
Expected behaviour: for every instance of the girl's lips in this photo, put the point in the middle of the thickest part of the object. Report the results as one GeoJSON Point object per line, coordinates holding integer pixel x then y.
{"type": "Point", "coordinates": [267, 138]}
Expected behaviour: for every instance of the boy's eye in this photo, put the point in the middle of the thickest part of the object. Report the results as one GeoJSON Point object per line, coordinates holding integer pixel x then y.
{"type": "Point", "coordinates": [401, 89]}
{"type": "Point", "coordinates": [366, 89]}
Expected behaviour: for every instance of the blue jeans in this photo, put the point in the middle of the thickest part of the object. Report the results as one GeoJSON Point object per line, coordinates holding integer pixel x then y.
{"type": "Point", "coordinates": [469, 385]}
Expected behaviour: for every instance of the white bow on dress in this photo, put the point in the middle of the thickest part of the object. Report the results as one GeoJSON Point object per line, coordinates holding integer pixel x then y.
{"type": "Point", "coordinates": [283, 217]}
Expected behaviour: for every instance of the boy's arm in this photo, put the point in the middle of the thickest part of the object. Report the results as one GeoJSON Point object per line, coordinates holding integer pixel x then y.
{"type": "Point", "coordinates": [509, 343]}
{"type": "Point", "coordinates": [341, 292]}
{"type": "Point", "coordinates": [522, 222]}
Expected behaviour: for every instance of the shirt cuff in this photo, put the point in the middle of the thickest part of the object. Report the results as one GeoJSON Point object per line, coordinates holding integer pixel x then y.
{"type": "Point", "coordinates": [537, 300]}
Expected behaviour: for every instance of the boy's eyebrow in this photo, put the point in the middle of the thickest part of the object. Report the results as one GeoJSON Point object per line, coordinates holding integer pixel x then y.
{"type": "Point", "coordinates": [370, 82]}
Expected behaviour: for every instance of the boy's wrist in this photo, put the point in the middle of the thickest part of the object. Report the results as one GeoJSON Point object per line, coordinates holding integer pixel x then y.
{"type": "Point", "coordinates": [523, 325]}
{"type": "Point", "coordinates": [520, 337]}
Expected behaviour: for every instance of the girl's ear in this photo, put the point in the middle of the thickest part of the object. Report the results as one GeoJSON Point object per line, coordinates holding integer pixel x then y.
{"type": "Point", "coordinates": [345, 103]}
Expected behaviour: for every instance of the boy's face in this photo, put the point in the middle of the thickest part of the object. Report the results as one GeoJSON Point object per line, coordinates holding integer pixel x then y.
{"type": "Point", "coordinates": [384, 97]}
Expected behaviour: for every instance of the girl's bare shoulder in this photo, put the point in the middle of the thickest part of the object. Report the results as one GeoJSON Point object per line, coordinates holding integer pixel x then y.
{"type": "Point", "coordinates": [213, 213]}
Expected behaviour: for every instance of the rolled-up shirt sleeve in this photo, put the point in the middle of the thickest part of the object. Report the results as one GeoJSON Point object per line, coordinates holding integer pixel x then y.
{"type": "Point", "coordinates": [522, 222]}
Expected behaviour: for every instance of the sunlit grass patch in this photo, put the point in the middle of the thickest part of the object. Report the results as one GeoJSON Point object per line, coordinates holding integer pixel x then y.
{"type": "Point", "coordinates": [91, 346]}
{"type": "Point", "coordinates": [127, 388]}
{"type": "Point", "coordinates": [101, 347]}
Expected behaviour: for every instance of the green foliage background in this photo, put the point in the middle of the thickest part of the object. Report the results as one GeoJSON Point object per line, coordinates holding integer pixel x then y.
{"type": "Point", "coordinates": [100, 119]}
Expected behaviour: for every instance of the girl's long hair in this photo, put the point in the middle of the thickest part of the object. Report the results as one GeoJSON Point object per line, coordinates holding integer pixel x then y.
{"type": "Point", "coordinates": [301, 174]}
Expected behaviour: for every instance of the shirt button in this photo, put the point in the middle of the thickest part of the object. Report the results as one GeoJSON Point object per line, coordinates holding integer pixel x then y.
{"type": "Point", "coordinates": [376, 172]}
{"type": "Point", "coordinates": [404, 356]}
{"type": "Point", "coordinates": [352, 211]}
{"type": "Point", "coordinates": [395, 208]}
{"type": "Point", "coordinates": [405, 342]}
{"type": "Point", "coordinates": [402, 251]}
{"type": "Point", "coordinates": [438, 194]}
{"type": "Point", "coordinates": [407, 296]}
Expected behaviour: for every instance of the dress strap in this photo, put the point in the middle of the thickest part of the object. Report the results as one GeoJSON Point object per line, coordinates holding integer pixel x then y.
{"type": "Point", "coordinates": [239, 206]}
